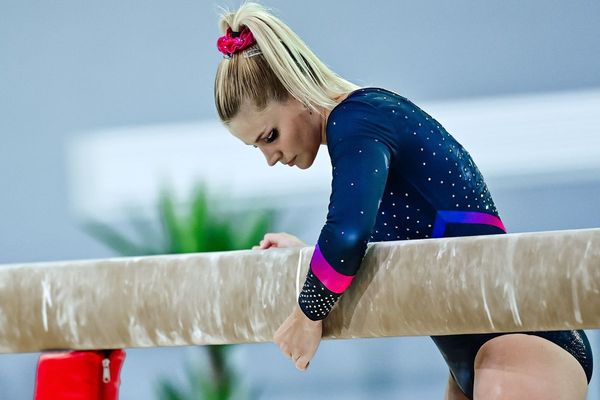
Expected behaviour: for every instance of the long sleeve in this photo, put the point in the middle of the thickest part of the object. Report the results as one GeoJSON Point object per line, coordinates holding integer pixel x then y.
{"type": "Point", "coordinates": [360, 151]}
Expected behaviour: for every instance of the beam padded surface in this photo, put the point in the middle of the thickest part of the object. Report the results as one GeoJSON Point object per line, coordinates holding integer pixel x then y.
{"type": "Point", "coordinates": [499, 283]}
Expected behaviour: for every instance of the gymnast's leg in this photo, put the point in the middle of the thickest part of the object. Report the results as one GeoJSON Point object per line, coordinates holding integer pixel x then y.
{"type": "Point", "coordinates": [520, 366]}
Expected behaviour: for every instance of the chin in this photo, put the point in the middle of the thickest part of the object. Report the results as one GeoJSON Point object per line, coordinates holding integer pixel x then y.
{"type": "Point", "coordinates": [313, 155]}
{"type": "Point", "coordinates": [307, 165]}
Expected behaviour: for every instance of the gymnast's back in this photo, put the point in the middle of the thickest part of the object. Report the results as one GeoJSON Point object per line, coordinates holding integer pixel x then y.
{"type": "Point", "coordinates": [394, 159]}
{"type": "Point", "coordinates": [390, 156]}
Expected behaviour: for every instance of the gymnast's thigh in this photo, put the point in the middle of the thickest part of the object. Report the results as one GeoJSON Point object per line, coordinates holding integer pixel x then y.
{"type": "Point", "coordinates": [527, 366]}
{"type": "Point", "coordinates": [459, 352]}
{"type": "Point", "coordinates": [576, 343]}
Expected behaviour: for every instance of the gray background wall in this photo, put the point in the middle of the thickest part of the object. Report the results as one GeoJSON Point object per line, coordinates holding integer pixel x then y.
{"type": "Point", "coordinates": [69, 67]}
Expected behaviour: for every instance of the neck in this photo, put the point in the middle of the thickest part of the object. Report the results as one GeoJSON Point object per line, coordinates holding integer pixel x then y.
{"type": "Point", "coordinates": [324, 119]}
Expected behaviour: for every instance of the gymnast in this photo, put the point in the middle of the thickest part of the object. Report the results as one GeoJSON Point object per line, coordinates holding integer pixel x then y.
{"type": "Point", "coordinates": [397, 175]}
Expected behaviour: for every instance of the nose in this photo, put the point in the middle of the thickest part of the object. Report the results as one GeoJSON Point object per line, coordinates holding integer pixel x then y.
{"type": "Point", "coordinates": [271, 156]}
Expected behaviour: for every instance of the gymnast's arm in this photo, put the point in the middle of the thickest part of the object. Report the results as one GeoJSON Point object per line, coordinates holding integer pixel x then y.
{"type": "Point", "coordinates": [360, 159]}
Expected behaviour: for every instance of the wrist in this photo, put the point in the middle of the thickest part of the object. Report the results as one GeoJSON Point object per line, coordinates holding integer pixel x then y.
{"type": "Point", "coordinates": [300, 314]}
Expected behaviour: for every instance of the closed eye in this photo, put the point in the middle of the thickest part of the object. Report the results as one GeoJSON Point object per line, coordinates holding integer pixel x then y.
{"type": "Point", "coordinates": [273, 135]}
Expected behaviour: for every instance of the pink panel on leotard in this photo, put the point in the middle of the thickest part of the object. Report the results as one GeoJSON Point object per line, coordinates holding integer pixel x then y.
{"type": "Point", "coordinates": [328, 276]}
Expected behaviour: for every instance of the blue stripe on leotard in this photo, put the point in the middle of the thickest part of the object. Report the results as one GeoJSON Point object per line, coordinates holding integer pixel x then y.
{"type": "Point", "coordinates": [399, 175]}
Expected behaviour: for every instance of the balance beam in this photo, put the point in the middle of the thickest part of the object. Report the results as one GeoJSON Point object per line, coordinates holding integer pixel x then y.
{"type": "Point", "coordinates": [498, 283]}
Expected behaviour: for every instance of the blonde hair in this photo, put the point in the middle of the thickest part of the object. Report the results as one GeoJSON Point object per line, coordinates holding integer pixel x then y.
{"type": "Point", "coordinates": [286, 66]}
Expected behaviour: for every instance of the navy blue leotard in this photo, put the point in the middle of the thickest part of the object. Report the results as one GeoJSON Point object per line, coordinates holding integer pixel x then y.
{"type": "Point", "coordinates": [399, 175]}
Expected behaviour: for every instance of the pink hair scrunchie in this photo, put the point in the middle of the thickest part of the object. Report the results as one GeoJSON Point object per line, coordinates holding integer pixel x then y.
{"type": "Point", "coordinates": [233, 42]}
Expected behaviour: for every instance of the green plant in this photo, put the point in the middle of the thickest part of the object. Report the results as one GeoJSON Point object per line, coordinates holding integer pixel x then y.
{"type": "Point", "coordinates": [201, 228]}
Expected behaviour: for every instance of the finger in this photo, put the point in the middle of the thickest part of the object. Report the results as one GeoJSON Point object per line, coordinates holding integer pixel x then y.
{"type": "Point", "coordinates": [270, 236]}
{"type": "Point", "coordinates": [273, 237]}
{"type": "Point", "coordinates": [302, 363]}
{"type": "Point", "coordinates": [266, 244]}
{"type": "Point", "coordinates": [286, 352]}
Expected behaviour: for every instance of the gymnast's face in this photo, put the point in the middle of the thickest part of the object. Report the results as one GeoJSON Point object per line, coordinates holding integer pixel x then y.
{"type": "Point", "coordinates": [285, 132]}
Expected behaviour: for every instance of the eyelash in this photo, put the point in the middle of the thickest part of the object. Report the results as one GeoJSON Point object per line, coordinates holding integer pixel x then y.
{"type": "Point", "coordinates": [274, 134]}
